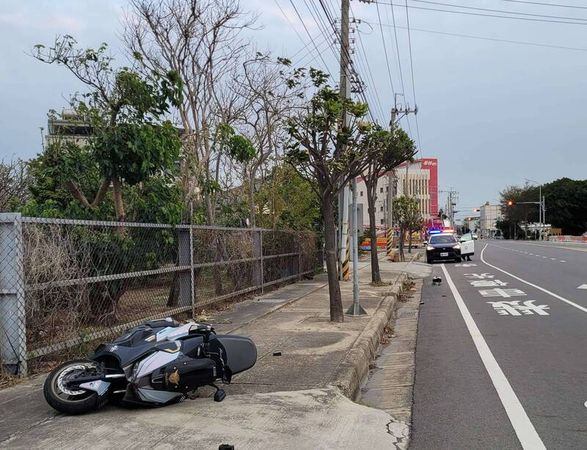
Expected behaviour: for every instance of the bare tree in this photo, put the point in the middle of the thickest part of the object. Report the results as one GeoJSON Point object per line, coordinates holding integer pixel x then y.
{"type": "Point", "coordinates": [14, 184]}
{"type": "Point", "coordinates": [269, 102]}
{"type": "Point", "coordinates": [202, 41]}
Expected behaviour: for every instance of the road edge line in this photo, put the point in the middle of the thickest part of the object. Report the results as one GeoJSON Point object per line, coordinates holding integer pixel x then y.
{"type": "Point", "coordinates": [523, 427]}
{"type": "Point", "coordinates": [582, 308]}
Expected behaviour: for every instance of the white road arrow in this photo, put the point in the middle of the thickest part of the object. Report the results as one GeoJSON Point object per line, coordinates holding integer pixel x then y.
{"type": "Point", "coordinates": [583, 286]}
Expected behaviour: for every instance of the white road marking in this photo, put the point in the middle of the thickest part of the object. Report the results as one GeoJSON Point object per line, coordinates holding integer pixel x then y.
{"type": "Point", "coordinates": [466, 265]}
{"type": "Point", "coordinates": [487, 283]}
{"type": "Point", "coordinates": [532, 284]}
{"type": "Point", "coordinates": [562, 260]}
{"type": "Point", "coordinates": [498, 292]}
{"type": "Point", "coordinates": [583, 286]}
{"type": "Point", "coordinates": [513, 308]}
{"type": "Point", "coordinates": [479, 276]}
{"type": "Point", "coordinates": [545, 257]}
{"type": "Point", "coordinates": [585, 404]}
{"type": "Point", "coordinates": [553, 259]}
{"type": "Point", "coordinates": [527, 435]}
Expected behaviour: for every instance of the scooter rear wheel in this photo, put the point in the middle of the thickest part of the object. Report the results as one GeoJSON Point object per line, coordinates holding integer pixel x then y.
{"type": "Point", "coordinates": [65, 399]}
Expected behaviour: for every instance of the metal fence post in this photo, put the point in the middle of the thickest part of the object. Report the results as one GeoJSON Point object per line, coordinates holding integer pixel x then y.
{"type": "Point", "coordinates": [261, 262]}
{"type": "Point", "coordinates": [299, 257]}
{"type": "Point", "coordinates": [184, 241]}
{"type": "Point", "coordinates": [12, 295]}
{"type": "Point", "coordinates": [192, 275]}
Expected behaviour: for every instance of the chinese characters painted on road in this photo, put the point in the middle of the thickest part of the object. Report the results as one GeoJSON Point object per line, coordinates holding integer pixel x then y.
{"type": "Point", "coordinates": [519, 308]}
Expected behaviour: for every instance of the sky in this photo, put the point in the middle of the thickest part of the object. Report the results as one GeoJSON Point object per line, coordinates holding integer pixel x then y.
{"type": "Point", "coordinates": [494, 113]}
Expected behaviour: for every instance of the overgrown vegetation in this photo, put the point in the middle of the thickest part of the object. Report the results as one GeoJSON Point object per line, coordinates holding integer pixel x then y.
{"type": "Point", "coordinates": [196, 126]}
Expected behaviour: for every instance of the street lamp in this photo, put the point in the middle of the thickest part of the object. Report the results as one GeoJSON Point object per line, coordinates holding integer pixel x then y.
{"type": "Point", "coordinates": [541, 217]}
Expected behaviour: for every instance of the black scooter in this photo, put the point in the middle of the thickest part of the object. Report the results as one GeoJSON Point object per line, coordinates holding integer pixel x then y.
{"type": "Point", "coordinates": [155, 364]}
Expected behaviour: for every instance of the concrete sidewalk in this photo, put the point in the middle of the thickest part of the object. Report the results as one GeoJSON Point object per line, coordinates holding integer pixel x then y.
{"type": "Point", "coordinates": [314, 355]}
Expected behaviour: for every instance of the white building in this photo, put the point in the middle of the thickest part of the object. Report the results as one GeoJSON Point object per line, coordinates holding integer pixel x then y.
{"type": "Point", "coordinates": [417, 179]}
{"type": "Point", "coordinates": [488, 217]}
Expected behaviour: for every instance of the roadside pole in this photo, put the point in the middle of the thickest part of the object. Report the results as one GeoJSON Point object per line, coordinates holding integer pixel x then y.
{"type": "Point", "coordinates": [343, 201]}
{"type": "Point", "coordinates": [390, 193]}
{"type": "Point", "coordinates": [343, 195]}
{"type": "Point", "coordinates": [356, 309]}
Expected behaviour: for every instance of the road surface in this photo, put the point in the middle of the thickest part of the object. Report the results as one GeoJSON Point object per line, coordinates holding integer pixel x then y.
{"type": "Point", "coordinates": [501, 356]}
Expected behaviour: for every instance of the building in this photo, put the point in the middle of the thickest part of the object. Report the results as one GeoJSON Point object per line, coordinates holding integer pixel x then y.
{"type": "Point", "coordinates": [488, 217]}
{"type": "Point", "coordinates": [67, 127]}
{"type": "Point", "coordinates": [417, 179]}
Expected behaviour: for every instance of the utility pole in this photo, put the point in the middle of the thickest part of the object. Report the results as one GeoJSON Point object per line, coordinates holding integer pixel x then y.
{"type": "Point", "coordinates": [345, 65]}
{"type": "Point", "coordinates": [343, 195]}
{"type": "Point", "coordinates": [450, 203]}
{"type": "Point", "coordinates": [397, 112]}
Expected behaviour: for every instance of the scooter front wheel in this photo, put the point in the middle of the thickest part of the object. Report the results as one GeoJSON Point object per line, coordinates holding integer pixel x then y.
{"type": "Point", "coordinates": [64, 398]}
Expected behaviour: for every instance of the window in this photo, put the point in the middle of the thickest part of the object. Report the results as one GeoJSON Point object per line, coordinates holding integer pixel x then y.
{"type": "Point", "coordinates": [386, 188]}
{"type": "Point", "coordinates": [381, 208]}
{"type": "Point", "coordinates": [381, 190]}
{"type": "Point", "coordinates": [442, 239]}
{"type": "Point", "coordinates": [360, 193]}
{"type": "Point", "coordinates": [382, 221]}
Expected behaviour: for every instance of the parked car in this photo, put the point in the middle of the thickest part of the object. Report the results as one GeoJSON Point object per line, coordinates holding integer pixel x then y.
{"type": "Point", "coordinates": [443, 247]}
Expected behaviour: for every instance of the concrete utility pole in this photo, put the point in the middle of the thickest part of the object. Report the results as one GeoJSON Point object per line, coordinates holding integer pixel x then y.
{"type": "Point", "coordinates": [343, 195]}
{"type": "Point", "coordinates": [451, 200]}
{"type": "Point", "coordinates": [345, 65]}
{"type": "Point", "coordinates": [397, 112]}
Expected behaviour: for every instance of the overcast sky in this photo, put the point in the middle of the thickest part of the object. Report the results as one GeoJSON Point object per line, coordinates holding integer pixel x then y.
{"type": "Point", "coordinates": [493, 113]}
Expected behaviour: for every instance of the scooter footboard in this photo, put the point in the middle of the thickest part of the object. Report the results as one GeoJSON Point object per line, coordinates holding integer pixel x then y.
{"type": "Point", "coordinates": [241, 352]}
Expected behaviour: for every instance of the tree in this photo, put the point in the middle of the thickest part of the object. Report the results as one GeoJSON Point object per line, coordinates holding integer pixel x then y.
{"type": "Point", "coordinates": [415, 223]}
{"type": "Point", "coordinates": [268, 104]}
{"type": "Point", "coordinates": [387, 150]}
{"type": "Point", "coordinates": [328, 155]}
{"type": "Point", "coordinates": [565, 206]}
{"type": "Point", "coordinates": [130, 138]}
{"type": "Point", "coordinates": [286, 200]}
{"type": "Point", "coordinates": [201, 41]}
{"type": "Point", "coordinates": [14, 184]}
{"type": "Point", "coordinates": [406, 213]}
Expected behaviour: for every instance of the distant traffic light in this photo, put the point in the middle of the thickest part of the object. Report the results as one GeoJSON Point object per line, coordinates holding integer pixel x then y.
{"type": "Point", "coordinates": [510, 203]}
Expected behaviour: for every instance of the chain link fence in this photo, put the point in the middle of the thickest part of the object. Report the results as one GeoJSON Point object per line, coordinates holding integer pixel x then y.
{"type": "Point", "coordinates": [65, 283]}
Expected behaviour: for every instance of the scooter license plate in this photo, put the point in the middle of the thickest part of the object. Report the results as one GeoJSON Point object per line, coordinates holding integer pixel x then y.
{"type": "Point", "coordinates": [444, 254]}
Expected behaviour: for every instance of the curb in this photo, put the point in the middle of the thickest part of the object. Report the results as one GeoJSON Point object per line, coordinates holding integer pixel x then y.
{"type": "Point", "coordinates": [355, 366]}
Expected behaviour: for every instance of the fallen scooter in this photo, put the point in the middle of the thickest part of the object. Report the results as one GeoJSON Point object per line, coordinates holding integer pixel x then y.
{"type": "Point", "coordinates": [155, 364]}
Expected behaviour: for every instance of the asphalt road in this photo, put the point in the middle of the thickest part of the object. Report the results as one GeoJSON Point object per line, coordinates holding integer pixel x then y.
{"type": "Point", "coordinates": [507, 374]}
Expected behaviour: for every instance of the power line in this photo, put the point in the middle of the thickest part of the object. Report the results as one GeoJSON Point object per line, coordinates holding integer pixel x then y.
{"type": "Point", "coordinates": [547, 16]}
{"type": "Point", "coordinates": [305, 28]}
{"type": "Point", "coordinates": [412, 73]}
{"type": "Point", "coordinates": [399, 59]}
{"type": "Point", "coordinates": [361, 90]}
{"type": "Point", "coordinates": [557, 5]}
{"type": "Point", "coordinates": [528, 19]}
{"type": "Point", "coordinates": [385, 50]}
{"type": "Point", "coordinates": [487, 38]}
